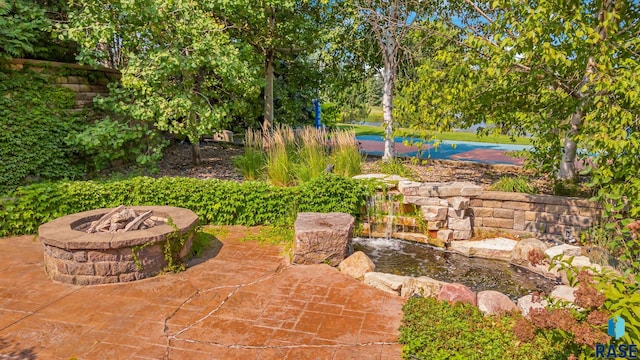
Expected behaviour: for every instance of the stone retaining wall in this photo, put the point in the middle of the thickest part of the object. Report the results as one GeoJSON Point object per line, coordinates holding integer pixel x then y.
{"type": "Point", "coordinates": [544, 216]}
{"type": "Point", "coordinates": [87, 82]}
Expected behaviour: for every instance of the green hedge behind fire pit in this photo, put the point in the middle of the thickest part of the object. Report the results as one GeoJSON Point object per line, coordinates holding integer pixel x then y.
{"type": "Point", "coordinates": [215, 201]}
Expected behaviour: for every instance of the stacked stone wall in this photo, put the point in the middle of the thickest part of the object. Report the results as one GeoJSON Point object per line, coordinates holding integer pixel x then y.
{"type": "Point", "coordinates": [85, 81]}
{"type": "Point", "coordinates": [544, 216]}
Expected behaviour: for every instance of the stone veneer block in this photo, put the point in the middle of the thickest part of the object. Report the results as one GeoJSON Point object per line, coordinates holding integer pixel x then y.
{"type": "Point", "coordinates": [459, 224]}
{"type": "Point", "coordinates": [456, 214]}
{"type": "Point", "coordinates": [434, 213]}
{"type": "Point", "coordinates": [519, 220]}
{"type": "Point", "coordinates": [322, 237]}
{"type": "Point", "coordinates": [503, 213]}
{"type": "Point", "coordinates": [426, 201]}
{"type": "Point", "coordinates": [409, 188]}
{"type": "Point", "coordinates": [450, 189]}
{"type": "Point", "coordinates": [459, 203]}
{"type": "Point", "coordinates": [435, 225]}
{"type": "Point", "coordinates": [445, 235]}
{"type": "Point", "coordinates": [462, 234]}
{"type": "Point", "coordinates": [482, 212]}
{"type": "Point", "coordinates": [497, 223]}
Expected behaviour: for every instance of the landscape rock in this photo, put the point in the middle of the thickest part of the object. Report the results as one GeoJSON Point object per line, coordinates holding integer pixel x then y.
{"type": "Point", "coordinates": [459, 203]}
{"type": "Point", "coordinates": [527, 303]}
{"type": "Point", "coordinates": [498, 248]}
{"type": "Point", "coordinates": [522, 252]}
{"type": "Point", "coordinates": [357, 265]}
{"type": "Point", "coordinates": [422, 286]}
{"type": "Point", "coordinates": [385, 282]}
{"type": "Point", "coordinates": [434, 213]}
{"type": "Point", "coordinates": [395, 178]}
{"type": "Point", "coordinates": [322, 237]}
{"type": "Point", "coordinates": [564, 292]}
{"type": "Point", "coordinates": [584, 262]}
{"type": "Point", "coordinates": [371, 176]}
{"type": "Point", "coordinates": [457, 293]}
{"type": "Point", "coordinates": [565, 249]}
{"type": "Point", "coordinates": [494, 302]}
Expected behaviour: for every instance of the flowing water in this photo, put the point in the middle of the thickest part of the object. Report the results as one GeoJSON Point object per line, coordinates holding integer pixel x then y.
{"type": "Point", "coordinates": [414, 259]}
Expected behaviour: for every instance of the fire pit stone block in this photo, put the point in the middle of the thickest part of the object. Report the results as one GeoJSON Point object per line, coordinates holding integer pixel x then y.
{"type": "Point", "coordinates": [75, 257]}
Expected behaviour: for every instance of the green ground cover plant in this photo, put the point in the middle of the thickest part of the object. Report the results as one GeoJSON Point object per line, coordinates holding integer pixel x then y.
{"type": "Point", "coordinates": [216, 202]}
{"type": "Point", "coordinates": [34, 124]}
{"type": "Point", "coordinates": [433, 329]}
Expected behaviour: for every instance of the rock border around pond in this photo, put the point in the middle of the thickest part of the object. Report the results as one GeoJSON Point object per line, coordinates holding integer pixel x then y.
{"type": "Point", "coordinates": [488, 301]}
{"type": "Point", "coordinates": [325, 238]}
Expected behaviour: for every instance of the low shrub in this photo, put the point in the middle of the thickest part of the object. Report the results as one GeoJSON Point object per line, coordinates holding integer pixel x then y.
{"type": "Point", "coordinates": [519, 184]}
{"type": "Point", "coordinates": [107, 141]}
{"type": "Point", "coordinates": [433, 329]}
{"type": "Point", "coordinates": [215, 201]}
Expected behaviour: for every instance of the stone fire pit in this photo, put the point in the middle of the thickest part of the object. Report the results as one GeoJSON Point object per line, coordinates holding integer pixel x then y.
{"type": "Point", "coordinates": [76, 257]}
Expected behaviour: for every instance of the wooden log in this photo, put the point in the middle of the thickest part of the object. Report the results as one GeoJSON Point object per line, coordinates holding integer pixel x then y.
{"type": "Point", "coordinates": [104, 217]}
{"type": "Point", "coordinates": [133, 225]}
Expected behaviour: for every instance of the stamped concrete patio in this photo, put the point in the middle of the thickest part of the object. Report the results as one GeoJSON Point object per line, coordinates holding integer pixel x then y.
{"type": "Point", "coordinates": [242, 301]}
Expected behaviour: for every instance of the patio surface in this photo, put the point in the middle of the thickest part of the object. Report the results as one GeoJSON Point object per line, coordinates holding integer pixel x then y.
{"type": "Point", "coordinates": [242, 301]}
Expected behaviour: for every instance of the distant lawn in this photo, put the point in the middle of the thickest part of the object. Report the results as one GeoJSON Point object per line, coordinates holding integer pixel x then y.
{"type": "Point", "coordinates": [450, 135]}
{"type": "Point", "coordinates": [375, 114]}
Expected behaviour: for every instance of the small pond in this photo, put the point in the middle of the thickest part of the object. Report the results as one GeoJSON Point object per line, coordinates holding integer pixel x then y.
{"type": "Point", "coordinates": [414, 259]}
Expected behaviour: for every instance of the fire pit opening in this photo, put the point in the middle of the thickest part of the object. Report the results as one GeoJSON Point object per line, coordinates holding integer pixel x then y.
{"type": "Point", "coordinates": [121, 219]}
{"type": "Point", "coordinates": [115, 245]}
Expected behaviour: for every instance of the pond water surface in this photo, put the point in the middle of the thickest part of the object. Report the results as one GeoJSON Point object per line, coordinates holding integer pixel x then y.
{"type": "Point", "coordinates": [408, 258]}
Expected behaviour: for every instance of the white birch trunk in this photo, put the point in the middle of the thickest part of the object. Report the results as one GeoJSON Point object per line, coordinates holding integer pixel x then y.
{"type": "Point", "coordinates": [388, 75]}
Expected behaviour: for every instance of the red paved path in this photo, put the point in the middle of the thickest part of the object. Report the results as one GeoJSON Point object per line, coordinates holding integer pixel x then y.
{"type": "Point", "coordinates": [243, 302]}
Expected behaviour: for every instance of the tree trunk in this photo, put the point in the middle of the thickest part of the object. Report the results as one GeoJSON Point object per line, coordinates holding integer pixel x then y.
{"type": "Point", "coordinates": [567, 170]}
{"type": "Point", "coordinates": [268, 90]}
{"type": "Point", "coordinates": [269, 72]}
{"type": "Point", "coordinates": [195, 152]}
{"type": "Point", "coordinates": [387, 113]}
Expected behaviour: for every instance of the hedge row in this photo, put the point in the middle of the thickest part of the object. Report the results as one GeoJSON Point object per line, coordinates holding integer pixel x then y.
{"type": "Point", "coordinates": [215, 201]}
